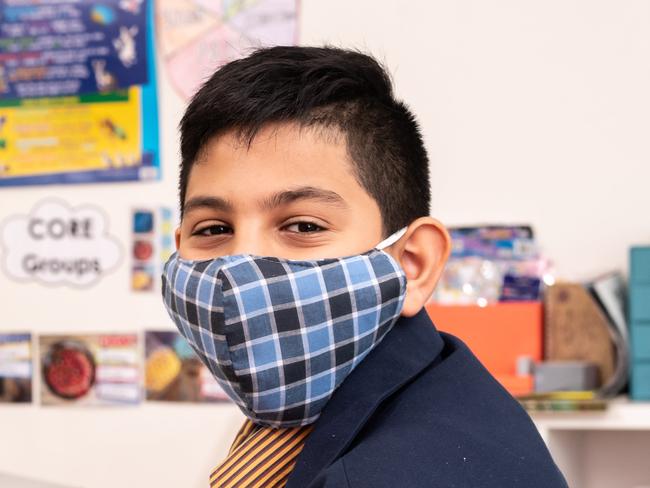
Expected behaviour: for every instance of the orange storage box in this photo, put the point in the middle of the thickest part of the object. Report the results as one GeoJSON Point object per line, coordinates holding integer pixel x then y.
{"type": "Point", "coordinates": [497, 334]}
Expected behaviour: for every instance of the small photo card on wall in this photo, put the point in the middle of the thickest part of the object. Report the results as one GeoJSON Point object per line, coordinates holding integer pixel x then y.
{"type": "Point", "coordinates": [90, 369]}
{"type": "Point", "coordinates": [152, 245]}
{"type": "Point", "coordinates": [173, 372]}
{"type": "Point", "coordinates": [15, 368]}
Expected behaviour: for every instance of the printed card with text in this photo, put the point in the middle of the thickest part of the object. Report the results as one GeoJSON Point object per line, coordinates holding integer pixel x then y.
{"type": "Point", "coordinates": [15, 368]}
{"type": "Point", "coordinates": [173, 372]}
{"type": "Point", "coordinates": [91, 369]}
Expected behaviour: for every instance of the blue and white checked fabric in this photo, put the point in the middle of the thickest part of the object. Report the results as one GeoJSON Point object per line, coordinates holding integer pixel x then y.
{"type": "Point", "coordinates": [281, 335]}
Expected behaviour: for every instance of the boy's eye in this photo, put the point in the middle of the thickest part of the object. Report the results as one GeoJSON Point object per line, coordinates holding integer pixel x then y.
{"type": "Point", "coordinates": [212, 230]}
{"type": "Point", "coordinates": [303, 227]}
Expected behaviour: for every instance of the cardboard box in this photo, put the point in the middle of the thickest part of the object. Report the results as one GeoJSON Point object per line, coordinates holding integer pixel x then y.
{"type": "Point", "coordinates": [577, 329]}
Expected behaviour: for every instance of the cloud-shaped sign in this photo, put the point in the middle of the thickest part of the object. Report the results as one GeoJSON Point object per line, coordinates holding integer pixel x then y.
{"type": "Point", "coordinates": [58, 244]}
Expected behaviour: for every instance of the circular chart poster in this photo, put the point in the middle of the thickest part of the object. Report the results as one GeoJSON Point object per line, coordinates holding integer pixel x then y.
{"type": "Point", "coordinates": [197, 36]}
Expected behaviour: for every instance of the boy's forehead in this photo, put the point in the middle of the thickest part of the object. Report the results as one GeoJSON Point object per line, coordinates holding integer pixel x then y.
{"type": "Point", "coordinates": [279, 158]}
{"type": "Point", "coordinates": [301, 148]}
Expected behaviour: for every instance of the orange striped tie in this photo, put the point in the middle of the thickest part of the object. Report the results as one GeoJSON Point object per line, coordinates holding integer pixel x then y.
{"type": "Point", "coordinates": [260, 457]}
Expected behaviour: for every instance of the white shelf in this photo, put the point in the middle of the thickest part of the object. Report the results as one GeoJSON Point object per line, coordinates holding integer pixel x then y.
{"type": "Point", "coordinates": [621, 414]}
{"type": "Point", "coordinates": [605, 449]}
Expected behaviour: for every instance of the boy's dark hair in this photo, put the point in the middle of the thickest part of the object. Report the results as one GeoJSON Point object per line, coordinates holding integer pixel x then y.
{"type": "Point", "coordinates": [323, 87]}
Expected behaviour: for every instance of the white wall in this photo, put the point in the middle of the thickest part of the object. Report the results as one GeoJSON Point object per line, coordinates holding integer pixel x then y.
{"type": "Point", "coordinates": [532, 111]}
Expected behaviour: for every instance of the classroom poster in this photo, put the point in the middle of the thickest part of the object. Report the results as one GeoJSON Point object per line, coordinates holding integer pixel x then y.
{"type": "Point", "coordinates": [173, 372]}
{"type": "Point", "coordinates": [70, 47]}
{"type": "Point", "coordinates": [77, 92]}
{"type": "Point", "coordinates": [15, 368]}
{"type": "Point", "coordinates": [198, 36]}
{"type": "Point", "coordinates": [90, 369]}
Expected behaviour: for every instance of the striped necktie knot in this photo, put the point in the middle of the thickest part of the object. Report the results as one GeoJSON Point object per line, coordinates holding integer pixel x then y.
{"type": "Point", "coordinates": [260, 457]}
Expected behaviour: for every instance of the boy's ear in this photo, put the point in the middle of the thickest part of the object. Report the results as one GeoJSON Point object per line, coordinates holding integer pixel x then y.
{"type": "Point", "coordinates": [422, 252]}
{"type": "Point", "coordinates": [177, 236]}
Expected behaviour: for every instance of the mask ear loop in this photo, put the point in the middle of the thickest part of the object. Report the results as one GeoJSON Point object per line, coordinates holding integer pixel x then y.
{"type": "Point", "coordinates": [391, 239]}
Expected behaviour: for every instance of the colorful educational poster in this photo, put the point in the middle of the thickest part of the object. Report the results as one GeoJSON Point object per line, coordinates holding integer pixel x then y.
{"type": "Point", "coordinates": [107, 128]}
{"type": "Point", "coordinates": [198, 36]}
{"type": "Point", "coordinates": [153, 244]}
{"type": "Point", "coordinates": [84, 137]}
{"type": "Point", "coordinates": [70, 47]}
{"type": "Point", "coordinates": [15, 368]}
{"type": "Point", "coordinates": [90, 369]}
{"type": "Point", "coordinates": [173, 372]}
{"type": "Point", "coordinates": [56, 244]}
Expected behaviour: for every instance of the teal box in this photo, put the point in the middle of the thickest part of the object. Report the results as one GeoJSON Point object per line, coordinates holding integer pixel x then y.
{"type": "Point", "coordinates": [640, 303]}
{"type": "Point", "coordinates": [640, 386]}
{"type": "Point", "coordinates": [640, 265]}
{"type": "Point", "coordinates": [640, 335]}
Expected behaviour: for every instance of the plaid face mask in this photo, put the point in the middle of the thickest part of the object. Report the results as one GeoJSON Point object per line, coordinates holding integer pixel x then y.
{"type": "Point", "coordinates": [281, 335]}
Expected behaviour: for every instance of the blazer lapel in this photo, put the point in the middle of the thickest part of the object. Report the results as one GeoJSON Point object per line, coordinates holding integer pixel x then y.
{"type": "Point", "coordinates": [407, 349]}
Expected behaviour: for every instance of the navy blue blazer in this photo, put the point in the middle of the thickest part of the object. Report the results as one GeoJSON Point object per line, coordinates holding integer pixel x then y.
{"type": "Point", "coordinates": [421, 411]}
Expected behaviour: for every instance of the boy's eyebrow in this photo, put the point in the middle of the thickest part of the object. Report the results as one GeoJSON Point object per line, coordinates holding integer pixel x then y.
{"type": "Point", "coordinates": [213, 203]}
{"type": "Point", "coordinates": [274, 201]}
{"type": "Point", "coordinates": [303, 193]}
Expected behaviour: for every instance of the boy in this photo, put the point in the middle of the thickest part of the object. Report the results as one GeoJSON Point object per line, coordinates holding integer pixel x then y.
{"type": "Point", "coordinates": [290, 156]}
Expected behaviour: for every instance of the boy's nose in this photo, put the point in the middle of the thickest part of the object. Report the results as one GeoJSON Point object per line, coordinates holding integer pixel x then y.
{"type": "Point", "coordinates": [250, 241]}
